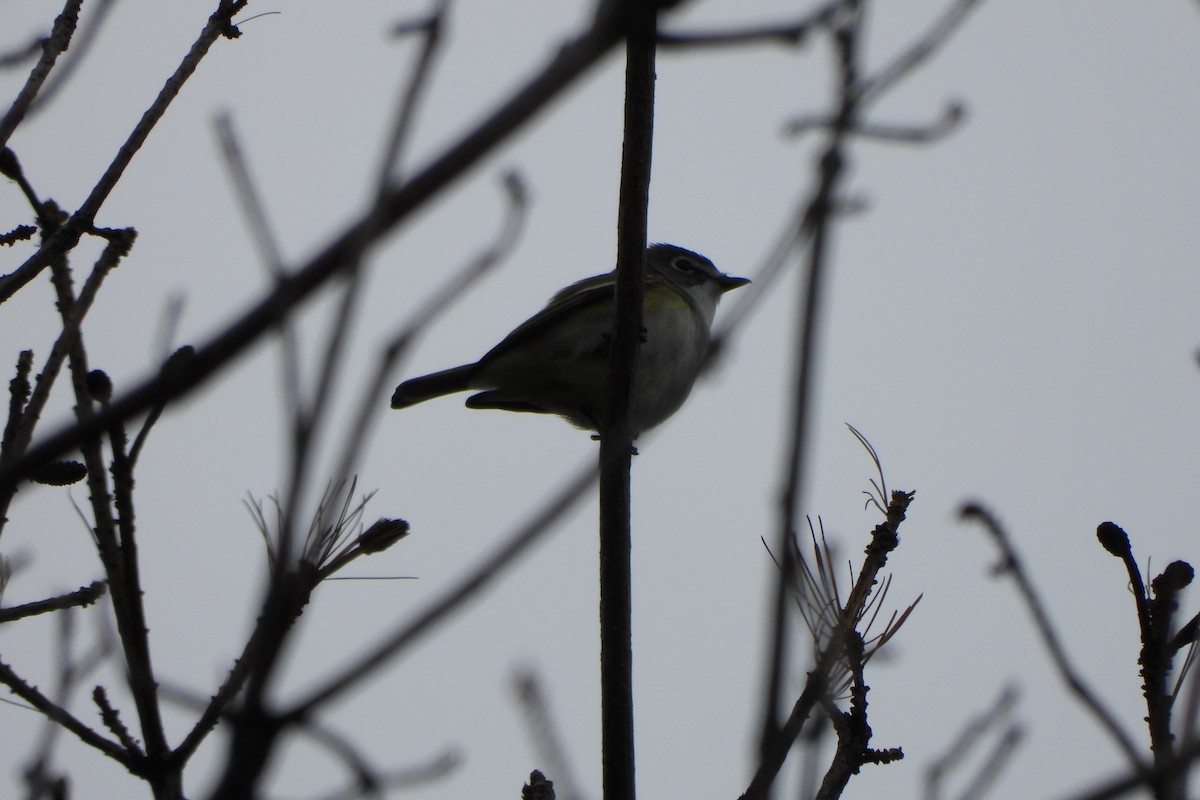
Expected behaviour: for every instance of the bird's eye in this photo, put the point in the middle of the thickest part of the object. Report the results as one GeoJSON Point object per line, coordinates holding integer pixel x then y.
{"type": "Point", "coordinates": [685, 265]}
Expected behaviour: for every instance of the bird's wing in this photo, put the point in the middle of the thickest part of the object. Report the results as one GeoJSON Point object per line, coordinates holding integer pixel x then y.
{"type": "Point", "coordinates": [574, 299]}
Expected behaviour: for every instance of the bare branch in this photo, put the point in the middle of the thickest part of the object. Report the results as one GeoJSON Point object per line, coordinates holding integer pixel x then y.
{"type": "Point", "coordinates": [112, 720]}
{"type": "Point", "coordinates": [1010, 564]}
{"type": "Point", "coordinates": [516, 210]}
{"type": "Point", "coordinates": [83, 40]}
{"type": "Point", "coordinates": [547, 742]}
{"type": "Point", "coordinates": [268, 252]}
{"type": "Point", "coordinates": [83, 596]}
{"type": "Point", "coordinates": [792, 34]}
{"type": "Point", "coordinates": [431, 29]}
{"type": "Point", "coordinates": [52, 47]}
{"type": "Point", "coordinates": [952, 117]}
{"type": "Point", "coordinates": [919, 52]}
{"type": "Point", "coordinates": [18, 390]}
{"type": "Point", "coordinates": [370, 780]}
{"type": "Point", "coordinates": [972, 734]}
{"type": "Point", "coordinates": [52, 711]}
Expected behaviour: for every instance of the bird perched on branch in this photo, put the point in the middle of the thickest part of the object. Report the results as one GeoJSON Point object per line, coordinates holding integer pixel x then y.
{"type": "Point", "coordinates": [557, 361]}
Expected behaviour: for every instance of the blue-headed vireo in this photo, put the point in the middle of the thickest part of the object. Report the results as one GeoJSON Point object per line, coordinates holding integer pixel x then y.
{"type": "Point", "coordinates": [557, 361]}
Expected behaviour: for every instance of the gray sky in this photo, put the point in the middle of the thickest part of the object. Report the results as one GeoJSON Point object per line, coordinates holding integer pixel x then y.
{"type": "Point", "coordinates": [1012, 319]}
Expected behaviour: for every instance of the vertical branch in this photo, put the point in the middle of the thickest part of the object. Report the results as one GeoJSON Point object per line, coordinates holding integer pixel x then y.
{"type": "Point", "coordinates": [19, 390]}
{"type": "Point", "coordinates": [1156, 612]}
{"type": "Point", "coordinates": [818, 218]}
{"type": "Point", "coordinates": [114, 540]}
{"type": "Point", "coordinates": [616, 443]}
{"type": "Point", "coordinates": [19, 431]}
{"type": "Point", "coordinates": [1157, 661]}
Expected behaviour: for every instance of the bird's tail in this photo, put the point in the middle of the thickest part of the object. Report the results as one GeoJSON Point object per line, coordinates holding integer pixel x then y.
{"type": "Point", "coordinates": [427, 387]}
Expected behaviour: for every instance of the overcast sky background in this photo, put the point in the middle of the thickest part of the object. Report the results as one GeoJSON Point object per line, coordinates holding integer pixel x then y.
{"type": "Point", "coordinates": [1014, 318]}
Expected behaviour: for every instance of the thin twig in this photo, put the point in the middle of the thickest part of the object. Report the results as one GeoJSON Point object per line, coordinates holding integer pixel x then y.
{"type": "Point", "coordinates": [1010, 564]}
{"type": "Point", "coordinates": [966, 739]}
{"type": "Point", "coordinates": [83, 596]}
{"type": "Point", "coordinates": [432, 30]}
{"type": "Point", "coordinates": [774, 754]}
{"type": "Point", "coordinates": [547, 742]}
{"type": "Point", "coordinates": [1134, 779]}
{"type": "Point", "coordinates": [269, 253]}
{"type": "Point", "coordinates": [792, 33]}
{"type": "Point", "coordinates": [112, 720]}
{"type": "Point", "coordinates": [516, 213]}
{"type": "Point", "coordinates": [993, 766]}
{"type": "Point", "coordinates": [175, 361]}
{"type": "Point", "coordinates": [399, 132]}
{"type": "Point", "coordinates": [57, 714]}
{"type": "Point", "coordinates": [53, 46]}
{"type": "Point", "coordinates": [918, 52]}
{"type": "Point", "coordinates": [952, 116]}
{"type": "Point", "coordinates": [405, 778]}
{"type": "Point", "coordinates": [84, 38]}
{"type": "Point", "coordinates": [18, 390]}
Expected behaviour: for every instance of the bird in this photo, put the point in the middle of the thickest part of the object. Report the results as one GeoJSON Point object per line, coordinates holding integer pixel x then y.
{"type": "Point", "coordinates": [557, 361]}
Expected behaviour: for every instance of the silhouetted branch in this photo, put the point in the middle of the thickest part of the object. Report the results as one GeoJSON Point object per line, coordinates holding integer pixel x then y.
{"type": "Point", "coordinates": [952, 117]}
{"type": "Point", "coordinates": [82, 41]}
{"type": "Point", "coordinates": [268, 252]}
{"type": "Point", "coordinates": [515, 214]}
{"type": "Point", "coordinates": [112, 720]}
{"type": "Point", "coordinates": [842, 648]}
{"type": "Point", "coordinates": [920, 51]}
{"type": "Point", "coordinates": [83, 596]}
{"type": "Point", "coordinates": [403, 778]}
{"type": "Point", "coordinates": [18, 390]}
{"type": "Point", "coordinates": [547, 743]}
{"type": "Point", "coordinates": [52, 47]}
{"type": "Point", "coordinates": [1156, 616]}
{"type": "Point", "coordinates": [967, 740]}
{"type": "Point", "coordinates": [1010, 564]}
{"type": "Point", "coordinates": [1136, 779]}
{"type": "Point", "coordinates": [59, 715]}
{"type": "Point", "coordinates": [792, 33]}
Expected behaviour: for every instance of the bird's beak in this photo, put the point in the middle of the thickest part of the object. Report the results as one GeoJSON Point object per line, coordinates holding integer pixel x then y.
{"type": "Point", "coordinates": [727, 282]}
